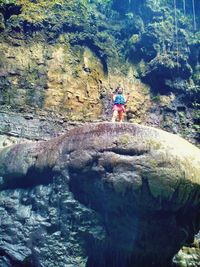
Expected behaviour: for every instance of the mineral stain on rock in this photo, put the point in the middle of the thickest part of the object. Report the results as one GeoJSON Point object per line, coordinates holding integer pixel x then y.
{"type": "Point", "coordinates": [101, 195]}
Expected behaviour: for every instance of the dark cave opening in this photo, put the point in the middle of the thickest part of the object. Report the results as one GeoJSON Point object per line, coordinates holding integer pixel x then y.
{"type": "Point", "coordinates": [33, 178]}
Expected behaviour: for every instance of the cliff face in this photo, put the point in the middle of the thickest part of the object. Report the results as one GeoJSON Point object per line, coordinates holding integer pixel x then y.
{"type": "Point", "coordinates": [101, 195]}
{"type": "Point", "coordinates": [66, 74]}
{"type": "Point", "coordinates": [48, 77]}
{"type": "Point", "coordinates": [68, 80]}
{"type": "Point", "coordinates": [68, 57]}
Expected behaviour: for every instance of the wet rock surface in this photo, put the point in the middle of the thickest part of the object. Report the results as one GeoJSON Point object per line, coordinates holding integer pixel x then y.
{"type": "Point", "coordinates": [101, 195]}
{"type": "Point", "coordinates": [27, 125]}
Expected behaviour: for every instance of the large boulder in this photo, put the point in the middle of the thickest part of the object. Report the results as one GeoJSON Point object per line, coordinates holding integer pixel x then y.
{"type": "Point", "coordinates": [113, 195]}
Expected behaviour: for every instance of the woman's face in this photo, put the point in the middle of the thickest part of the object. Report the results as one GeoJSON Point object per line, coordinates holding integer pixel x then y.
{"type": "Point", "coordinates": [120, 91]}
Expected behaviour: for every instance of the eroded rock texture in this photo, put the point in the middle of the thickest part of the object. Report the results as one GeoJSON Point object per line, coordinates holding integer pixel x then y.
{"type": "Point", "coordinates": [101, 195]}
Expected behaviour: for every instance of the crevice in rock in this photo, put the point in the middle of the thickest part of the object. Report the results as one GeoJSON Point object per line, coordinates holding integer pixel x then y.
{"type": "Point", "coordinates": [127, 152]}
{"type": "Point", "coordinates": [33, 178]}
{"type": "Point", "coordinates": [9, 259]}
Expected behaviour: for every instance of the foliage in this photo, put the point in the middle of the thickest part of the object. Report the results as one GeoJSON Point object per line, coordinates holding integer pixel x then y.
{"type": "Point", "coordinates": [141, 32]}
{"type": "Point", "coordinates": [40, 10]}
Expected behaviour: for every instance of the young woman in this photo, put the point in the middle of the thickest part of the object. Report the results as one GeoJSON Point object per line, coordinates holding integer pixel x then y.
{"type": "Point", "coordinates": [119, 100]}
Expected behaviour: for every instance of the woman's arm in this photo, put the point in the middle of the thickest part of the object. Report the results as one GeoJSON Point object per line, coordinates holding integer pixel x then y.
{"type": "Point", "coordinates": [127, 97]}
{"type": "Point", "coordinates": [113, 97]}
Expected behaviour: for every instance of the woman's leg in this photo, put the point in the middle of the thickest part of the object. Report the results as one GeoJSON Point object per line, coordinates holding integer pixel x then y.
{"type": "Point", "coordinates": [114, 115]}
{"type": "Point", "coordinates": [121, 115]}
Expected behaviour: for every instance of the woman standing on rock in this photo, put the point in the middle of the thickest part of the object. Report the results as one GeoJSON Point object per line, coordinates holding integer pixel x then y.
{"type": "Point", "coordinates": [119, 100]}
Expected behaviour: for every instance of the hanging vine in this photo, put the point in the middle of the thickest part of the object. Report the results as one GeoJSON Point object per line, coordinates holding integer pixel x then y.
{"type": "Point", "coordinates": [194, 15]}
{"type": "Point", "coordinates": [184, 7]}
{"type": "Point", "coordinates": [176, 30]}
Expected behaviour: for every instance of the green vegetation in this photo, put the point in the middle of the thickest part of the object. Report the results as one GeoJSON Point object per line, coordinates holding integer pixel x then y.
{"type": "Point", "coordinates": [124, 139]}
{"type": "Point", "coordinates": [153, 144]}
{"type": "Point", "coordinates": [162, 48]}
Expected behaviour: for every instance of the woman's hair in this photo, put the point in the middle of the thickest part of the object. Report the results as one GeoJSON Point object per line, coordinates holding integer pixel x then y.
{"type": "Point", "coordinates": [118, 88]}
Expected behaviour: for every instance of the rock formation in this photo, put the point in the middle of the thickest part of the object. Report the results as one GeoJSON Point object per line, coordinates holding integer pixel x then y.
{"type": "Point", "coordinates": [113, 195]}
{"type": "Point", "coordinates": [60, 61]}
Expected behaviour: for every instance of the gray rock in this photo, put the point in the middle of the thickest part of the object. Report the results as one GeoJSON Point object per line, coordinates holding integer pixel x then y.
{"type": "Point", "coordinates": [113, 195]}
